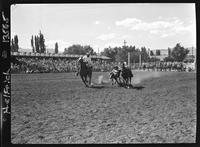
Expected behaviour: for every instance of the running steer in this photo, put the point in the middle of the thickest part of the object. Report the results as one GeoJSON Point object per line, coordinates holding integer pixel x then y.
{"type": "Point", "coordinates": [115, 75]}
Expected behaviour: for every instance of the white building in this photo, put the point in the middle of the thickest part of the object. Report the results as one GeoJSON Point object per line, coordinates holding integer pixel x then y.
{"type": "Point", "coordinates": [192, 51]}
{"type": "Point", "coordinates": [164, 52]}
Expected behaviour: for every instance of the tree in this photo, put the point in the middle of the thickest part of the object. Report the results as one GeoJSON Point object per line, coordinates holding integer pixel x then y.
{"type": "Point", "coordinates": [41, 43]}
{"type": "Point", "coordinates": [88, 48]}
{"type": "Point", "coordinates": [74, 49]}
{"type": "Point", "coordinates": [109, 52]}
{"type": "Point", "coordinates": [179, 53]}
{"type": "Point", "coordinates": [122, 55]}
{"type": "Point", "coordinates": [36, 45]}
{"type": "Point", "coordinates": [153, 59]}
{"type": "Point", "coordinates": [12, 46]}
{"type": "Point", "coordinates": [169, 52]}
{"type": "Point", "coordinates": [56, 48]}
{"type": "Point", "coordinates": [168, 59]}
{"type": "Point", "coordinates": [78, 49]}
{"type": "Point", "coordinates": [16, 46]}
{"type": "Point", "coordinates": [151, 53]}
{"type": "Point", "coordinates": [157, 52]}
{"type": "Point", "coordinates": [32, 44]}
{"type": "Point", "coordinates": [144, 54]}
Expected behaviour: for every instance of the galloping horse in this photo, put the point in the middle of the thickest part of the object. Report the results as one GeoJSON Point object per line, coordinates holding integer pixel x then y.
{"type": "Point", "coordinates": [85, 71]}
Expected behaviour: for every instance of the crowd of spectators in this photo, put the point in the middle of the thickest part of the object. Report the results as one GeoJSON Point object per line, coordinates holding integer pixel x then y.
{"type": "Point", "coordinates": [46, 65]}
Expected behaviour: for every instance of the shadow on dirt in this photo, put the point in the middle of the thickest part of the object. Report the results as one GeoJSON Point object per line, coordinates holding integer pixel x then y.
{"type": "Point", "coordinates": [135, 87]}
{"type": "Point", "coordinates": [138, 87]}
{"type": "Point", "coordinates": [97, 86]}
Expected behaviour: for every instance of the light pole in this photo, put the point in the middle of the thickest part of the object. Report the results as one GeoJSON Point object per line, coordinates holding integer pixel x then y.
{"type": "Point", "coordinates": [140, 59]}
{"type": "Point", "coordinates": [129, 58]}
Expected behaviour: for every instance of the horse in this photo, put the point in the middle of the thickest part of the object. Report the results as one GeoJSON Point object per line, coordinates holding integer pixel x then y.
{"type": "Point", "coordinates": [126, 74]}
{"type": "Point", "coordinates": [85, 71]}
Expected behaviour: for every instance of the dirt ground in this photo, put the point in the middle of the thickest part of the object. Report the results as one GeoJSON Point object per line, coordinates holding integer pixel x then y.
{"type": "Point", "coordinates": [57, 108]}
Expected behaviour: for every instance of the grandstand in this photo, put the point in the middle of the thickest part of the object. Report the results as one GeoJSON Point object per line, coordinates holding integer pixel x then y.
{"type": "Point", "coordinates": [52, 55]}
{"type": "Point", "coordinates": [28, 62]}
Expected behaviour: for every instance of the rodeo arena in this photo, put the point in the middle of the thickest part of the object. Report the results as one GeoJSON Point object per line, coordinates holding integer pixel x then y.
{"type": "Point", "coordinates": [61, 99]}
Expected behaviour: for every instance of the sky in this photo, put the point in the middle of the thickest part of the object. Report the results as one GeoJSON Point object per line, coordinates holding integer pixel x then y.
{"type": "Point", "coordinates": [153, 25]}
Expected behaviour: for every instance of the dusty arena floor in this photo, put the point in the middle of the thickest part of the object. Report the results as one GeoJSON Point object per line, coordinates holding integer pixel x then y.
{"type": "Point", "coordinates": [57, 108]}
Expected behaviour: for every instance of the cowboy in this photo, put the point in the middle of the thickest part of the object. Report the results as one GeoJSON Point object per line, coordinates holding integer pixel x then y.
{"type": "Point", "coordinates": [114, 72]}
{"type": "Point", "coordinates": [88, 59]}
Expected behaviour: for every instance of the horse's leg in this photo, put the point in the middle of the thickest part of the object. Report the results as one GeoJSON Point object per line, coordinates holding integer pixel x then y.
{"type": "Point", "coordinates": [130, 81]}
{"type": "Point", "coordinates": [86, 80]}
{"type": "Point", "coordinates": [89, 75]}
{"type": "Point", "coordinates": [83, 79]}
{"type": "Point", "coordinates": [126, 82]}
{"type": "Point", "coordinates": [119, 84]}
{"type": "Point", "coordinates": [89, 79]}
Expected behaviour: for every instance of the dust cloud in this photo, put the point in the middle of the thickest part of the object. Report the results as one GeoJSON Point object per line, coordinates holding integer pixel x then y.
{"type": "Point", "coordinates": [138, 78]}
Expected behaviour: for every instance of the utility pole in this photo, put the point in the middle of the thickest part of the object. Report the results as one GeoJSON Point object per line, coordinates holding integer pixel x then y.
{"type": "Point", "coordinates": [129, 56]}
{"type": "Point", "coordinates": [125, 42]}
{"type": "Point", "coordinates": [140, 59]}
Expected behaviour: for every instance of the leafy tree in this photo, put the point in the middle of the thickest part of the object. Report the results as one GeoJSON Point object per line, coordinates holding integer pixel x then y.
{"type": "Point", "coordinates": [74, 49]}
{"type": "Point", "coordinates": [37, 44]}
{"type": "Point", "coordinates": [109, 52]}
{"type": "Point", "coordinates": [41, 43]}
{"type": "Point", "coordinates": [168, 59]}
{"type": "Point", "coordinates": [12, 46]}
{"type": "Point", "coordinates": [32, 44]}
{"type": "Point", "coordinates": [78, 49]}
{"type": "Point", "coordinates": [169, 52]}
{"type": "Point", "coordinates": [16, 43]}
{"type": "Point", "coordinates": [144, 54]}
{"type": "Point", "coordinates": [122, 55]}
{"type": "Point", "coordinates": [56, 48]}
{"type": "Point", "coordinates": [157, 52]}
{"type": "Point", "coordinates": [179, 53]}
{"type": "Point", "coordinates": [151, 53]}
{"type": "Point", "coordinates": [153, 59]}
{"type": "Point", "coordinates": [88, 48]}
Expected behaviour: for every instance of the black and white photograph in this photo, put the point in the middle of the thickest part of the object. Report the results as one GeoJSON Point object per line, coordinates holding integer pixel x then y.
{"type": "Point", "coordinates": [103, 73]}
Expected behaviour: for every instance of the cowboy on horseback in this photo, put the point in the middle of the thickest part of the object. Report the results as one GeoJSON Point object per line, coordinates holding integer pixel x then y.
{"type": "Point", "coordinates": [85, 68]}
{"type": "Point", "coordinates": [88, 60]}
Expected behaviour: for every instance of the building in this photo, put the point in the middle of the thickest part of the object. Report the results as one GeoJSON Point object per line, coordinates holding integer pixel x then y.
{"type": "Point", "coordinates": [159, 53]}
{"type": "Point", "coordinates": [192, 51]}
{"type": "Point", "coordinates": [162, 53]}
